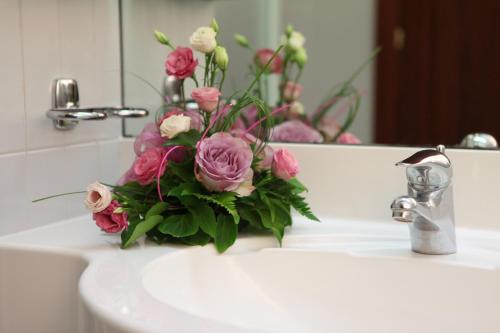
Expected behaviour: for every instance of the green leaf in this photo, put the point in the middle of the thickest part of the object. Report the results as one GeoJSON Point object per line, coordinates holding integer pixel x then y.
{"type": "Point", "coordinates": [298, 186]}
{"type": "Point", "coordinates": [283, 215]}
{"type": "Point", "coordinates": [179, 225]}
{"type": "Point", "coordinates": [205, 217]}
{"type": "Point", "coordinates": [277, 228]}
{"type": "Point", "coordinates": [188, 139]}
{"type": "Point", "coordinates": [225, 200]}
{"type": "Point", "coordinates": [182, 170]}
{"type": "Point", "coordinates": [250, 215]}
{"type": "Point", "coordinates": [263, 197]}
{"type": "Point", "coordinates": [200, 238]}
{"type": "Point", "coordinates": [302, 207]}
{"type": "Point", "coordinates": [184, 189]}
{"type": "Point", "coordinates": [157, 209]}
{"type": "Point", "coordinates": [137, 229]}
{"type": "Point", "coordinates": [226, 232]}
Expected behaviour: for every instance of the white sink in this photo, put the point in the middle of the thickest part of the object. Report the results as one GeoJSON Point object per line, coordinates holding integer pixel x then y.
{"type": "Point", "coordinates": [369, 284]}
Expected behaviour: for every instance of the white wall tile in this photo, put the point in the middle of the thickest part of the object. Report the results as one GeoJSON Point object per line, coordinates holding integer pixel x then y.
{"type": "Point", "coordinates": [12, 119]}
{"type": "Point", "coordinates": [76, 39]}
{"type": "Point", "coordinates": [13, 196]}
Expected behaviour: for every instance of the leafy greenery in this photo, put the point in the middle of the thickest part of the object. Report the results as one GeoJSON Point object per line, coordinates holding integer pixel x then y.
{"type": "Point", "coordinates": [192, 215]}
{"type": "Point", "coordinates": [226, 232]}
{"type": "Point", "coordinates": [188, 139]}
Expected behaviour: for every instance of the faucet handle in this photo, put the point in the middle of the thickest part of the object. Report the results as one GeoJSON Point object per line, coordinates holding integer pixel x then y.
{"type": "Point", "coordinates": [428, 169]}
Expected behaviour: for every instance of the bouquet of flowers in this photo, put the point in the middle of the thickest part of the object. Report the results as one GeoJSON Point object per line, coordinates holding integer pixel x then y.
{"type": "Point", "coordinates": [295, 125]}
{"type": "Point", "coordinates": [198, 178]}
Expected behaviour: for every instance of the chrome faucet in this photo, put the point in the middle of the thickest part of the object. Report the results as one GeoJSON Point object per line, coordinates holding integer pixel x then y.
{"type": "Point", "coordinates": [428, 207]}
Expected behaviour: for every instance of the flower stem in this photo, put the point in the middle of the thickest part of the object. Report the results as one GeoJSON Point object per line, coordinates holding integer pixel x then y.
{"type": "Point", "coordinates": [195, 80]}
{"type": "Point", "coordinates": [58, 195]}
{"type": "Point", "coordinates": [183, 96]}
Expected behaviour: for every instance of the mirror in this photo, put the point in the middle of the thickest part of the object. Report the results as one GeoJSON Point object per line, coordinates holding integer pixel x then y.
{"type": "Point", "coordinates": [433, 82]}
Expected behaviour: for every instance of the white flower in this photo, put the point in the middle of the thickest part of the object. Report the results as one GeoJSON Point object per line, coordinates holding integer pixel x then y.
{"type": "Point", "coordinates": [174, 125]}
{"type": "Point", "coordinates": [203, 39]}
{"type": "Point", "coordinates": [296, 41]}
{"type": "Point", "coordinates": [297, 108]}
{"type": "Point", "coordinates": [98, 197]}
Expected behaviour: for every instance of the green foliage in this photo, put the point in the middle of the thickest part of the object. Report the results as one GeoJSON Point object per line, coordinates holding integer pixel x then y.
{"type": "Point", "coordinates": [204, 214]}
{"type": "Point", "coordinates": [226, 232]}
{"type": "Point", "coordinates": [187, 139]}
{"type": "Point", "coordinates": [225, 200]}
{"type": "Point", "coordinates": [138, 228]}
{"type": "Point", "coordinates": [179, 225]}
{"type": "Point", "coordinates": [192, 215]}
{"type": "Point", "coordinates": [157, 209]}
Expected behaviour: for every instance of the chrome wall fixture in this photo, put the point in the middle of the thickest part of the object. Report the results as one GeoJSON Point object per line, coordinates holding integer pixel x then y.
{"type": "Point", "coordinates": [479, 141]}
{"type": "Point", "coordinates": [66, 111]}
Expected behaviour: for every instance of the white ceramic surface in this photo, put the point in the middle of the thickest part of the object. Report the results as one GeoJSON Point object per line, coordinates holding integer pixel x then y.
{"type": "Point", "coordinates": [352, 272]}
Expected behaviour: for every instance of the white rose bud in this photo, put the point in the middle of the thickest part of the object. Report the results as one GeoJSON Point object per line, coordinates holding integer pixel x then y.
{"type": "Point", "coordinates": [297, 108]}
{"type": "Point", "coordinates": [174, 125]}
{"type": "Point", "coordinates": [300, 57]}
{"type": "Point", "coordinates": [214, 25]}
{"type": "Point", "coordinates": [241, 40]}
{"type": "Point", "coordinates": [161, 38]}
{"type": "Point", "coordinates": [98, 197]}
{"type": "Point", "coordinates": [296, 40]}
{"type": "Point", "coordinates": [203, 40]}
{"type": "Point", "coordinates": [221, 57]}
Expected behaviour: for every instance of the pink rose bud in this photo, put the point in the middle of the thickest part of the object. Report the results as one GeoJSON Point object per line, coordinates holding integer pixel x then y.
{"type": "Point", "coordinates": [262, 57]}
{"type": "Point", "coordinates": [292, 91]}
{"type": "Point", "coordinates": [111, 220]}
{"type": "Point", "coordinates": [206, 98]}
{"type": "Point", "coordinates": [285, 166]}
{"type": "Point", "coordinates": [181, 63]}
{"type": "Point", "coordinates": [348, 138]}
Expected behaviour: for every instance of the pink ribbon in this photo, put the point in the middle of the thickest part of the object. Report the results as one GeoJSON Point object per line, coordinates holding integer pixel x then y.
{"type": "Point", "coordinates": [163, 162]}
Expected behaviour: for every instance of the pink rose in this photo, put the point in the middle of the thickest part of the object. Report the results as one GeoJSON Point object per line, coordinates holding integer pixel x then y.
{"type": "Point", "coordinates": [110, 221]}
{"type": "Point", "coordinates": [149, 137]}
{"type": "Point", "coordinates": [223, 163]}
{"type": "Point", "coordinates": [206, 98]}
{"type": "Point", "coordinates": [292, 91]}
{"type": "Point", "coordinates": [181, 63]}
{"type": "Point", "coordinates": [285, 166]}
{"type": "Point", "coordinates": [146, 166]}
{"type": "Point", "coordinates": [329, 127]}
{"type": "Point", "coordinates": [348, 138]}
{"type": "Point", "coordinates": [262, 57]}
{"type": "Point", "coordinates": [295, 131]}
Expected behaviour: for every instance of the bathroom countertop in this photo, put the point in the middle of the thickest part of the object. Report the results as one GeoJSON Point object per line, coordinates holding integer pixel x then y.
{"type": "Point", "coordinates": [111, 286]}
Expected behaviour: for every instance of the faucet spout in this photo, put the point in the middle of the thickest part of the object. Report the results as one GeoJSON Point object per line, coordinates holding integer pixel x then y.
{"type": "Point", "coordinates": [407, 209]}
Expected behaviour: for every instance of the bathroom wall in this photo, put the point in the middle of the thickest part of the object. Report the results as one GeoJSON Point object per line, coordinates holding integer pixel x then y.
{"type": "Point", "coordinates": [47, 39]}
{"type": "Point", "coordinates": [43, 40]}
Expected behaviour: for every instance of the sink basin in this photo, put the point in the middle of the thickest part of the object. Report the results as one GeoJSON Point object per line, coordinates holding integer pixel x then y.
{"type": "Point", "coordinates": [342, 275]}
{"type": "Point", "coordinates": [354, 285]}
